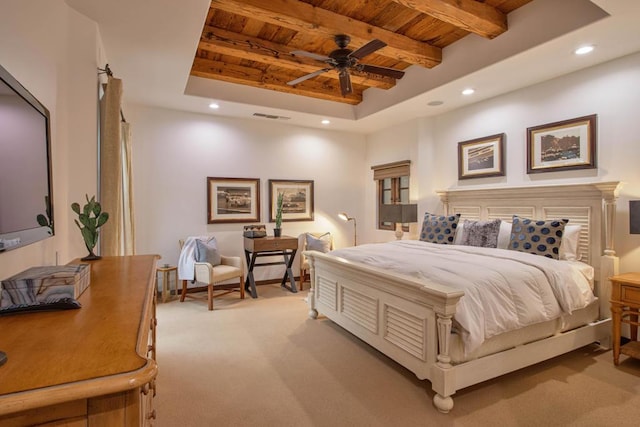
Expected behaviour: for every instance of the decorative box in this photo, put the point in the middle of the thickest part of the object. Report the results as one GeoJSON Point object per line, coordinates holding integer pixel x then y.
{"type": "Point", "coordinates": [255, 230]}
{"type": "Point", "coordinates": [39, 286]}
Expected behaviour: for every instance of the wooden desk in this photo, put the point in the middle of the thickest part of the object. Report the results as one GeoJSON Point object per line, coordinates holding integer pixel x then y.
{"type": "Point", "coordinates": [269, 246]}
{"type": "Point", "coordinates": [94, 366]}
{"type": "Point", "coordinates": [625, 307]}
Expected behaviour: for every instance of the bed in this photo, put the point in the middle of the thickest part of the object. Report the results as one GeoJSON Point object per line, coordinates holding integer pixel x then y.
{"type": "Point", "coordinates": [412, 320]}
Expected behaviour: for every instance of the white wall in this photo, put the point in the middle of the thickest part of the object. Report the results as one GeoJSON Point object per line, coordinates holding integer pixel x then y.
{"type": "Point", "coordinates": [51, 50]}
{"type": "Point", "coordinates": [610, 90]}
{"type": "Point", "coordinates": [174, 152]}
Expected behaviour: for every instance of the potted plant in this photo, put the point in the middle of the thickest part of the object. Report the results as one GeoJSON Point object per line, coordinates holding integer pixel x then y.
{"type": "Point", "coordinates": [90, 219]}
{"type": "Point", "coordinates": [279, 203]}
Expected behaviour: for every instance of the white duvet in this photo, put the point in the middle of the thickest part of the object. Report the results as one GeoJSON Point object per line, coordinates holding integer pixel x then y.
{"type": "Point", "coordinates": [504, 289]}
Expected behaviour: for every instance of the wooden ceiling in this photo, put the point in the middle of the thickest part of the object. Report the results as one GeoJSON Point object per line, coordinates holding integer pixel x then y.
{"type": "Point", "coordinates": [249, 42]}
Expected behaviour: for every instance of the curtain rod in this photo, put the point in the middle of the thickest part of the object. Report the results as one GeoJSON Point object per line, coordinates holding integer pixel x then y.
{"type": "Point", "coordinates": [106, 70]}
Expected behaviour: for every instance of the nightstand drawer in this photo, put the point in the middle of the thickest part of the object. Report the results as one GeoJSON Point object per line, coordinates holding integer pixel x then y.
{"type": "Point", "coordinates": [630, 294]}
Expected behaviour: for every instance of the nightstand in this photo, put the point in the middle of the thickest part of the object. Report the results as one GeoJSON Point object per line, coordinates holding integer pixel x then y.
{"type": "Point", "coordinates": [625, 307]}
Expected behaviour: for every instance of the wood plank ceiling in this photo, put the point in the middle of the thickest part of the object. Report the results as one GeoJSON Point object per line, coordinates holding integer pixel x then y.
{"type": "Point", "coordinates": [249, 42]}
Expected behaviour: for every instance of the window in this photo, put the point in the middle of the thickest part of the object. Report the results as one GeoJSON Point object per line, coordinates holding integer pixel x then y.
{"type": "Point", "coordinates": [393, 188]}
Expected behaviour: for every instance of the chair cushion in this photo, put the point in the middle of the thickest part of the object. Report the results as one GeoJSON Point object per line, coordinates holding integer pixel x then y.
{"type": "Point", "coordinates": [320, 243]}
{"type": "Point", "coordinates": [225, 272]}
{"type": "Point", "coordinates": [207, 252]}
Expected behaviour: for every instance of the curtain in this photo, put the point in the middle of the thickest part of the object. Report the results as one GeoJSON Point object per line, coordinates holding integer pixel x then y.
{"type": "Point", "coordinates": [116, 198]}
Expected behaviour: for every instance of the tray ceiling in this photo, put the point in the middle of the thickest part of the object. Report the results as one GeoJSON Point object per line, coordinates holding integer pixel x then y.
{"type": "Point", "coordinates": [250, 42]}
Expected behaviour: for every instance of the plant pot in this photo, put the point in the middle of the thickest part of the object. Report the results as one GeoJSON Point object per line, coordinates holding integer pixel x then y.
{"type": "Point", "coordinates": [91, 256]}
{"type": "Point", "coordinates": [277, 232]}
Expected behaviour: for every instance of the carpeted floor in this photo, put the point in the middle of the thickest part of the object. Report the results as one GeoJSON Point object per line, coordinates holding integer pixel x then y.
{"type": "Point", "coordinates": [262, 362]}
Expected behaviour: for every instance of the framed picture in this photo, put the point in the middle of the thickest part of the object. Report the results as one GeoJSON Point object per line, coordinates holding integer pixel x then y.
{"type": "Point", "coordinates": [481, 157]}
{"type": "Point", "coordinates": [297, 199]}
{"type": "Point", "coordinates": [233, 200]}
{"type": "Point", "coordinates": [566, 145]}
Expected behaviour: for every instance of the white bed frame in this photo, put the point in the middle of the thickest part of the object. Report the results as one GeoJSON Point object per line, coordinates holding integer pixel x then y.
{"type": "Point", "coordinates": [409, 320]}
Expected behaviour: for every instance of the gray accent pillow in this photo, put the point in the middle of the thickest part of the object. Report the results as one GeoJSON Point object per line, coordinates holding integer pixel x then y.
{"type": "Point", "coordinates": [208, 252]}
{"type": "Point", "coordinates": [321, 243]}
{"type": "Point", "coordinates": [480, 233]}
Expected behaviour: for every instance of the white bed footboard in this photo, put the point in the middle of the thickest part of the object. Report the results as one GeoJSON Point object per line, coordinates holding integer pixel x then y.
{"type": "Point", "coordinates": [409, 320]}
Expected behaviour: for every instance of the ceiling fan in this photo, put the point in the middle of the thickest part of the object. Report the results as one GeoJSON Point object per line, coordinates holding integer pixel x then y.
{"type": "Point", "coordinates": [342, 60]}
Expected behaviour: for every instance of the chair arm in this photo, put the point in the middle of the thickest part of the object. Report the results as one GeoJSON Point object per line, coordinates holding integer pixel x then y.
{"type": "Point", "coordinates": [234, 261]}
{"type": "Point", "coordinates": [203, 272]}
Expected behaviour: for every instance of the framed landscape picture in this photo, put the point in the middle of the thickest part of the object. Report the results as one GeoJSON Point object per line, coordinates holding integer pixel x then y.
{"type": "Point", "coordinates": [481, 157]}
{"type": "Point", "coordinates": [233, 200]}
{"type": "Point", "coordinates": [297, 199]}
{"type": "Point", "coordinates": [565, 145]}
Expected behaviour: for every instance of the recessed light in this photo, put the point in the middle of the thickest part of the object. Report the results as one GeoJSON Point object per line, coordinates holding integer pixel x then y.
{"type": "Point", "coordinates": [214, 106]}
{"type": "Point", "coordinates": [583, 50]}
{"type": "Point", "coordinates": [468, 91]}
{"type": "Point", "coordinates": [325, 122]}
{"type": "Point", "coordinates": [435, 103]}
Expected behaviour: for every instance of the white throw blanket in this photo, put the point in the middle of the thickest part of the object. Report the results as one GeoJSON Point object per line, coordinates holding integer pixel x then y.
{"type": "Point", "coordinates": [504, 289]}
{"type": "Point", "coordinates": [187, 259]}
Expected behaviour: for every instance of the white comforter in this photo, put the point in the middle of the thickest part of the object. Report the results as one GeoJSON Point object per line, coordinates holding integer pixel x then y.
{"type": "Point", "coordinates": [504, 289]}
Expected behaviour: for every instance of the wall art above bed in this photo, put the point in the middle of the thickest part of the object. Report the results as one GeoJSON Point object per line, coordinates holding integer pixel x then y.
{"type": "Point", "coordinates": [565, 145]}
{"type": "Point", "coordinates": [481, 157]}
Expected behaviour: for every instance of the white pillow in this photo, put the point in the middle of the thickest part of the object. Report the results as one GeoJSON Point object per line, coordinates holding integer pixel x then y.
{"type": "Point", "coordinates": [459, 232]}
{"type": "Point", "coordinates": [569, 243]}
{"type": "Point", "coordinates": [504, 235]}
{"type": "Point", "coordinates": [320, 243]}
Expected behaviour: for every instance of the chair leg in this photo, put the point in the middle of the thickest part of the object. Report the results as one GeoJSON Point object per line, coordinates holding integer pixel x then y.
{"type": "Point", "coordinates": [241, 288]}
{"type": "Point", "coordinates": [184, 291]}
{"type": "Point", "coordinates": [210, 296]}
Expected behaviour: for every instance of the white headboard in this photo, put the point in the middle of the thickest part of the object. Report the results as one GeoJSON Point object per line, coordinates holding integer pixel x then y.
{"type": "Point", "coordinates": [591, 205]}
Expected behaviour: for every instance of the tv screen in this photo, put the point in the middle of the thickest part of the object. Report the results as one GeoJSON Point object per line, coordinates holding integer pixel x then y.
{"type": "Point", "coordinates": [26, 202]}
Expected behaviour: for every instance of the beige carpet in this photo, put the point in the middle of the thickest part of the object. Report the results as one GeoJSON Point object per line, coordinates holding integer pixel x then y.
{"type": "Point", "coordinates": [262, 362]}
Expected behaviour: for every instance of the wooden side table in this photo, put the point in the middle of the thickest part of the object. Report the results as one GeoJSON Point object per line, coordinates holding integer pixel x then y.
{"type": "Point", "coordinates": [625, 307]}
{"type": "Point", "coordinates": [166, 280]}
{"type": "Point", "coordinates": [286, 246]}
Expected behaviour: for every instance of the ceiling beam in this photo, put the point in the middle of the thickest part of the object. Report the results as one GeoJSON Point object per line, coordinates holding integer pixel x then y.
{"type": "Point", "coordinates": [304, 17]}
{"type": "Point", "coordinates": [224, 42]}
{"type": "Point", "coordinates": [470, 15]}
{"type": "Point", "coordinates": [253, 77]}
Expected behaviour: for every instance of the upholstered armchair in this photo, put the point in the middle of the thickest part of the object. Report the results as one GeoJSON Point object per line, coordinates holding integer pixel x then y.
{"type": "Point", "coordinates": [317, 241]}
{"type": "Point", "coordinates": [210, 268]}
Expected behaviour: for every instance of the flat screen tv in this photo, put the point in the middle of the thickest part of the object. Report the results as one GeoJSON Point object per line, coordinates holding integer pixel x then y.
{"type": "Point", "coordinates": [26, 199]}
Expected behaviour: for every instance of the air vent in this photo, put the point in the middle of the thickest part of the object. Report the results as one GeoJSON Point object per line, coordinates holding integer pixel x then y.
{"type": "Point", "coordinates": [271, 116]}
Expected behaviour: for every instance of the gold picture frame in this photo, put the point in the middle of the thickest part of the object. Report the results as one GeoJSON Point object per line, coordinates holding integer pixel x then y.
{"type": "Point", "coordinates": [232, 200]}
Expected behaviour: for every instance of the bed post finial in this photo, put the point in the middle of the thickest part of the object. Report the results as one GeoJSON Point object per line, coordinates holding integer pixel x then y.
{"type": "Point", "coordinates": [444, 198]}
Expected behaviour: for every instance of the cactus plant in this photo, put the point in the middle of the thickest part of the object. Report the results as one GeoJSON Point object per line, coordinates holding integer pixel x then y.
{"type": "Point", "coordinates": [91, 218]}
{"type": "Point", "coordinates": [279, 204]}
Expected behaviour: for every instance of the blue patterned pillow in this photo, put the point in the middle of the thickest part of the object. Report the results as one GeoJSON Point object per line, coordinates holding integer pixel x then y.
{"type": "Point", "coordinates": [439, 228]}
{"type": "Point", "coordinates": [536, 236]}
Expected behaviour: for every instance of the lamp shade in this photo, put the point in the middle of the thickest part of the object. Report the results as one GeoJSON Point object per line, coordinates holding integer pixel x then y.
{"type": "Point", "coordinates": [401, 214]}
{"type": "Point", "coordinates": [634, 216]}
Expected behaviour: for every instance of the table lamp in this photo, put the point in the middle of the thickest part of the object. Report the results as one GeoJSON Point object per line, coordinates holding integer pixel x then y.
{"type": "Point", "coordinates": [345, 217]}
{"type": "Point", "coordinates": [398, 214]}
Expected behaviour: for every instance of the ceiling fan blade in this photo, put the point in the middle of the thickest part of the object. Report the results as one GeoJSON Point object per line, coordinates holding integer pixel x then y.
{"type": "Point", "coordinates": [307, 77]}
{"type": "Point", "coordinates": [345, 83]}
{"type": "Point", "coordinates": [367, 49]}
{"type": "Point", "coordinates": [388, 72]}
{"type": "Point", "coordinates": [310, 55]}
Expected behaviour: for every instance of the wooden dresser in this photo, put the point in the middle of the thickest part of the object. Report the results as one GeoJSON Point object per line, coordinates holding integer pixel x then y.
{"type": "Point", "coordinates": [94, 366]}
